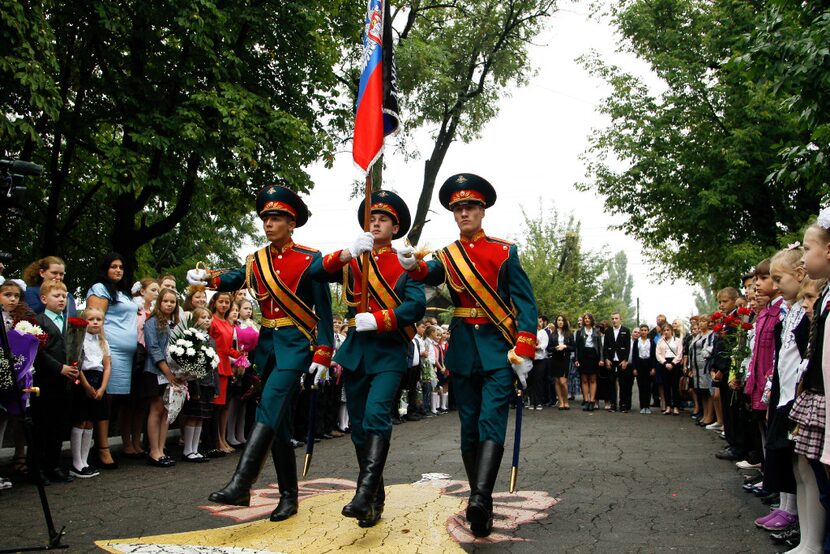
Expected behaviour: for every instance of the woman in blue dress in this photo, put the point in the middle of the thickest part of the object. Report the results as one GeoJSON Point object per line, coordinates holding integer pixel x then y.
{"type": "Point", "coordinates": [111, 294]}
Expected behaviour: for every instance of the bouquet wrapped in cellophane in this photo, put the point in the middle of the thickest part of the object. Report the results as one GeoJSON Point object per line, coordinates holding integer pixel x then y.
{"type": "Point", "coordinates": [191, 353]}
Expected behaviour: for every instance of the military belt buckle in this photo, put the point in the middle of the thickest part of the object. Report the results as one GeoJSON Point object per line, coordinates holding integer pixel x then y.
{"type": "Point", "coordinates": [473, 312]}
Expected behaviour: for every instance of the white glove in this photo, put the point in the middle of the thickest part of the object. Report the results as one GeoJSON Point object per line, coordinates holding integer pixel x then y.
{"type": "Point", "coordinates": [363, 243]}
{"type": "Point", "coordinates": [521, 370]}
{"type": "Point", "coordinates": [406, 257]}
{"type": "Point", "coordinates": [197, 277]}
{"type": "Point", "coordinates": [319, 371]}
{"type": "Point", "coordinates": [365, 322]}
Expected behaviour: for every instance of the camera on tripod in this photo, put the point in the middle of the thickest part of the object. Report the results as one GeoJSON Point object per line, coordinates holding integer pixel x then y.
{"type": "Point", "coordinates": [12, 191]}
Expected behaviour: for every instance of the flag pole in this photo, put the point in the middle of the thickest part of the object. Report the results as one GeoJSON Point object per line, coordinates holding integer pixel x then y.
{"type": "Point", "coordinates": [364, 275]}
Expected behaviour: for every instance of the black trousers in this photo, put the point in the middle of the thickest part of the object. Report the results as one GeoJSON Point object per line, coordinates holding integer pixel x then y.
{"type": "Point", "coordinates": [413, 384]}
{"type": "Point", "coordinates": [644, 387]}
{"type": "Point", "coordinates": [50, 416]}
{"type": "Point", "coordinates": [625, 378]}
{"type": "Point", "coordinates": [611, 383]}
{"type": "Point", "coordinates": [536, 382]}
{"type": "Point", "coordinates": [671, 385]}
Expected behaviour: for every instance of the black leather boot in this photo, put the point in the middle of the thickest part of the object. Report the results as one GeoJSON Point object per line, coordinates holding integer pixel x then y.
{"type": "Point", "coordinates": [285, 461]}
{"type": "Point", "coordinates": [380, 500]}
{"type": "Point", "coordinates": [362, 506]}
{"type": "Point", "coordinates": [361, 476]}
{"type": "Point", "coordinates": [469, 459]}
{"type": "Point", "coordinates": [238, 491]}
{"type": "Point", "coordinates": [480, 505]}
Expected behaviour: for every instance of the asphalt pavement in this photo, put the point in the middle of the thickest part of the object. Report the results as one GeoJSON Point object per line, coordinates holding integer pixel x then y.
{"type": "Point", "coordinates": [588, 482]}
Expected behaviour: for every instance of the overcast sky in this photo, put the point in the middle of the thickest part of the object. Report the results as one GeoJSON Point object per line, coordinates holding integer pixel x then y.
{"type": "Point", "coordinates": [529, 152]}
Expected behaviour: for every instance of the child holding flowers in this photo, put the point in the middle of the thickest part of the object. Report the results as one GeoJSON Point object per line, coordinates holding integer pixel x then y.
{"type": "Point", "coordinates": [198, 407]}
{"type": "Point", "coordinates": [89, 404]}
{"type": "Point", "coordinates": [223, 332]}
{"type": "Point", "coordinates": [53, 375]}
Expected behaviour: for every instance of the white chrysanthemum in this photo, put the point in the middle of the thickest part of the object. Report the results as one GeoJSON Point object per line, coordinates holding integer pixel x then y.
{"type": "Point", "coordinates": [210, 352]}
{"type": "Point", "coordinates": [190, 351]}
{"type": "Point", "coordinates": [824, 218]}
{"type": "Point", "coordinates": [26, 327]}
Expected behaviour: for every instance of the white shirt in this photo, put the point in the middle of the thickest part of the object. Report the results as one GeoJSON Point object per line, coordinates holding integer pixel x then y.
{"type": "Point", "coordinates": [416, 354]}
{"type": "Point", "coordinates": [93, 354]}
{"type": "Point", "coordinates": [541, 344]}
{"type": "Point", "coordinates": [616, 334]}
{"type": "Point", "coordinates": [789, 358]}
{"type": "Point", "coordinates": [644, 346]}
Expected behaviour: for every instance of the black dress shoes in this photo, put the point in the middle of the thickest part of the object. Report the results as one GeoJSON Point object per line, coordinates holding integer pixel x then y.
{"type": "Point", "coordinates": [59, 475]}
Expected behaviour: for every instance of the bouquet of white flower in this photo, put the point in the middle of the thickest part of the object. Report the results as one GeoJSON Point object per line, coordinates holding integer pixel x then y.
{"type": "Point", "coordinates": [191, 354]}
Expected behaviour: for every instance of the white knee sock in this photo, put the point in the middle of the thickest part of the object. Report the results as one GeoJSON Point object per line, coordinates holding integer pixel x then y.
{"type": "Point", "coordinates": [86, 445]}
{"type": "Point", "coordinates": [811, 515]}
{"type": "Point", "coordinates": [240, 422]}
{"type": "Point", "coordinates": [445, 400]}
{"type": "Point", "coordinates": [435, 400]}
{"type": "Point", "coordinates": [187, 433]}
{"type": "Point", "coordinates": [343, 420]}
{"type": "Point", "coordinates": [194, 442]}
{"type": "Point", "coordinates": [788, 503]}
{"type": "Point", "coordinates": [3, 424]}
{"type": "Point", "coordinates": [75, 438]}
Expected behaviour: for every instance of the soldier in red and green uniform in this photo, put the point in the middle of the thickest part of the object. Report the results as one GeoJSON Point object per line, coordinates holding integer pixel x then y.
{"type": "Point", "coordinates": [374, 357]}
{"type": "Point", "coordinates": [296, 337]}
{"type": "Point", "coordinates": [493, 330]}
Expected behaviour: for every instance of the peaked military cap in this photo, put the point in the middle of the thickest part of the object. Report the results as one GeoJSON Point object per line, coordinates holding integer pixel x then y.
{"type": "Point", "coordinates": [389, 203]}
{"type": "Point", "coordinates": [466, 188]}
{"type": "Point", "coordinates": [278, 199]}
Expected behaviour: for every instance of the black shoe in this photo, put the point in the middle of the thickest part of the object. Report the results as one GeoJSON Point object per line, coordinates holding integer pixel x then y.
{"type": "Point", "coordinates": [32, 477]}
{"type": "Point", "coordinates": [195, 458]}
{"type": "Point", "coordinates": [164, 461]}
{"type": "Point", "coordinates": [396, 421]}
{"type": "Point", "coordinates": [238, 491]}
{"type": "Point", "coordinates": [480, 506]}
{"type": "Point", "coordinates": [104, 465]}
{"type": "Point", "coordinates": [59, 475]}
{"type": "Point", "coordinates": [412, 417]}
{"type": "Point", "coordinates": [84, 473]}
{"type": "Point", "coordinates": [586, 407]}
{"type": "Point", "coordinates": [791, 533]}
{"type": "Point", "coordinates": [728, 454]}
{"type": "Point", "coordinates": [374, 452]}
{"type": "Point", "coordinates": [285, 462]}
{"type": "Point", "coordinates": [215, 453]}
{"type": "Point", "coordinates": [380, 500]}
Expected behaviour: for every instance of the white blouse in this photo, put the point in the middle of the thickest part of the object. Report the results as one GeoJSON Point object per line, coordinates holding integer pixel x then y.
{"type": "Point", "coordinates": [93, 354]}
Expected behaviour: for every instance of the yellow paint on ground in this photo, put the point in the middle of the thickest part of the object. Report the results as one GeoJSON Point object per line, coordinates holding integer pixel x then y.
{"type": "Point", "coordinates": [414, 519]}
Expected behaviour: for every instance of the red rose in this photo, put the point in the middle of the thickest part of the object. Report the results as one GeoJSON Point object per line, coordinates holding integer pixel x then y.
{"type": "Point", "coordinates": [717, 315]}
{"type": "Point", "coordinates": [731, 320]}
{"type": "Point", "coordinates": [77, 322]}
{"type": "Point", "coordinates": [717, 328]}
{"type": "Point", "coordinates": [743, 310]}
{"type": "Point", "coordinates": [746, 326]}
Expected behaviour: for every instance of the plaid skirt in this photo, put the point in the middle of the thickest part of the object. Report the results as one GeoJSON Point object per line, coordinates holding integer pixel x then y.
{"type": "Point", "coordinates": [808, 414]}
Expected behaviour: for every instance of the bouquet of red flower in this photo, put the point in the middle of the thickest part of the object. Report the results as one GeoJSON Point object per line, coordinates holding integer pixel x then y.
{"type": "Point", "coordinates": [733, 332]}
{"type": "Point", "coordinates": [75, 333]}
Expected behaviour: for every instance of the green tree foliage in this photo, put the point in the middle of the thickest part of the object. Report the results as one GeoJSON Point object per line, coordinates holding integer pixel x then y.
{"type": "Point", "coordinates": [790, 50]}
{"type": "Point", "coordinates": [688, 166]}
{"type": "Point", "coordinates": [455, 62]}
{"type": "Point", "coordinates": [567, 279]}
{"type": "Point", "coordinates": [157, 121]}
